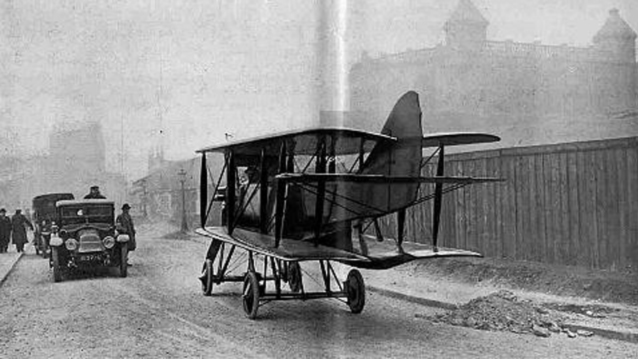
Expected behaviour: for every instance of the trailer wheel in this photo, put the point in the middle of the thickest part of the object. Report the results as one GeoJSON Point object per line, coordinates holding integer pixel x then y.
{"type": "Point", "coordinates": [207, 278]}
{"type": "Point", "coordinates": [356, 291]}
{"type": "Point", "coordinates": [294, 277]}
{"type": "Point", "coordinates": [250, 295]}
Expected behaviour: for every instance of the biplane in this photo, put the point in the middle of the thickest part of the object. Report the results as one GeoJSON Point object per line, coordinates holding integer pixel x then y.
{"type": "Point", "coordinates": [318, 195]}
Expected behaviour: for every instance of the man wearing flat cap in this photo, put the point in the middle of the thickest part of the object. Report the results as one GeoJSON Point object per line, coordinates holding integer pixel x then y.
{"type": "Point", "coordinates": [124, 224]}
{"type": "Point", "coordinates": [94, 193]}
{"type": "Point", "coordinates": [5, 231]}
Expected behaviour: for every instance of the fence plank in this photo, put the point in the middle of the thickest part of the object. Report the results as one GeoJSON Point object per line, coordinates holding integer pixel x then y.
{"type": "Point", "coordinates": [574, 207]}
{"type": "Point", "coordinates": [564, 209]}
{"type": "Point", "coordinates": [631, 253]}
{"type": "Point", "coordinates": [509, 209]}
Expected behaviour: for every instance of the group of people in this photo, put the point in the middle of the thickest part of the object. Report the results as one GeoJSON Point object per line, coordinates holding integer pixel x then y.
{"type": "Point", "coordinates": [14, 230]}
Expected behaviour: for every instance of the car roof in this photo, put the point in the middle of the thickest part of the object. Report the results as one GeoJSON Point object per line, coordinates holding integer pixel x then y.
{"type": "Point", "coordinates": [71, 202]}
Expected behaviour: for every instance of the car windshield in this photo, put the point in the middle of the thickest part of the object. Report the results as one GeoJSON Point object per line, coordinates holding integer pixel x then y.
{"type": "Point", "coordinates": [86, 214]}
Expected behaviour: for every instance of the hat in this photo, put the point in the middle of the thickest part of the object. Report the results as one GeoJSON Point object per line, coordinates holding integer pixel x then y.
{"type": "Point", "coordinates": [3, 210]}
{"type": "Point", "coordinates": [95, 187]}
{"type": "Point", "coordinates": [18, 211]}
{"type": "Point", "coordinates": [126, 206]}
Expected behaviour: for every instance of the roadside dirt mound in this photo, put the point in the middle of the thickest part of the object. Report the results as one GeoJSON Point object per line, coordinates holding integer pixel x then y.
{"type": "Point", "coordinates": [503, 311]}
{"type": "Point", "coordinates": [547, 278]}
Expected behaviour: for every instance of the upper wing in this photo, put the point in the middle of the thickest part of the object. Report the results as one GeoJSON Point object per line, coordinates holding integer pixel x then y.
{"type": "Point", "coordinates": [359, 178]}
{"type": "Point", "coordinates": [457, 138]}
{"type": "Point", "coordinates": [344, 141]}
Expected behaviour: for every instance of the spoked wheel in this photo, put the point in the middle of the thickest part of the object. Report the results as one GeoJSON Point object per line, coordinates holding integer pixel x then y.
{"type": "Point", "coordinates": [124, 260]}
{"type": "Point", "coordinates": [251, 295]}
{"type": "Point", "coordinates": [294, 277]}
{"type": "Point", "coordinates": [55, 260]}
{"type": "Point", "coordinates": [207, 278]}
{"type": "Point", "coordinates": [356, 291]}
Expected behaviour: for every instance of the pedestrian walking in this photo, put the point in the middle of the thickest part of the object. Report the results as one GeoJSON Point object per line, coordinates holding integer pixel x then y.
{"type": "Point", "coordinates": [124, 224]}
{"type": "Point", "coordinates": [5, 231]}
{"type": "Point", "coordinates": [19, 224]}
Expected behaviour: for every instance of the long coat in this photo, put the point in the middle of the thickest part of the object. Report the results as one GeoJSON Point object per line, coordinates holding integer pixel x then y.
{"type": "Point", "coordinates": [19, 224]}
{"type": "Point", "coordinates": [5, 230]}
{"type": "Point", "coordinates": [124, 224]}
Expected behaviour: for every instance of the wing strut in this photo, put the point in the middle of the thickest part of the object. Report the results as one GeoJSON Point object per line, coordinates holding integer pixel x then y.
{"type": "Point", "coordinates": [281, 189]}
{"type": "Point", "coordinates": [401, 229]}
{"type": "Point", "coordinates": [203, 191]}
{"type": "Point", "coordinates": [438, 196]}
{"type": "Point", "coordinates": [321, 190]}
{"type": "Point", "coordinates": [263, 193]}
{"type": "Point", "coordinates": [230, 191]}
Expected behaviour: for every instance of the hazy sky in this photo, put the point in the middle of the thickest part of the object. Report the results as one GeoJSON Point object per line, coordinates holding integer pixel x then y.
{"type": "Point", "coordinates": [184, 72]}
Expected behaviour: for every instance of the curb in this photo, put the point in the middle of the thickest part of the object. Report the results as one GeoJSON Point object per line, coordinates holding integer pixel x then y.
{"type": "Point", "coordinates": [603, 333]}
{"type": "Point", "coordinates": [13, 265]}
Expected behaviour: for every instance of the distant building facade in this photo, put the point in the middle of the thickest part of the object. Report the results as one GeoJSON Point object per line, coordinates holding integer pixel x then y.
{"type": "Point", "coordinates": [76, 160]}
{"type": "Point", "coordinates": [497, 79]}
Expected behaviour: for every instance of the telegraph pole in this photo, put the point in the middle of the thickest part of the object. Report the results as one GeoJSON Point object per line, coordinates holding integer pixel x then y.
{"type": "Point", "coordinates": [182, 179]}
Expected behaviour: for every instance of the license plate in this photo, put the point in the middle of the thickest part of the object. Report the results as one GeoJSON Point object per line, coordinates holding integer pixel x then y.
{"type": "Point", "coordinates": [89, 257]}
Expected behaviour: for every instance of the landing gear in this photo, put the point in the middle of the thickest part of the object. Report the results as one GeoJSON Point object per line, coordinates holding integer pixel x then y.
{"type": "Point", "coordinates": [261, 286]}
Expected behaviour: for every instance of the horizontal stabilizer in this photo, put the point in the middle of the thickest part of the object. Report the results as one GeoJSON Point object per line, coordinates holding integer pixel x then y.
{"type": "Point", "coordinates": [457, 138]}
{"type": "Point", "coordinates": [345, 177]}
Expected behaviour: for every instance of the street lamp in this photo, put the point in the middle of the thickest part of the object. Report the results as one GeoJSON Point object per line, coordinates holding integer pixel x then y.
{"type": "Point", "coordinates": [144, 197]}
{"type": "Point", "coordinates": [182, 179]}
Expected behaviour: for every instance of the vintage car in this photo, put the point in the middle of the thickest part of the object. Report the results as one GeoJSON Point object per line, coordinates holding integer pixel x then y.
{"type": "Point", "coordinates": [85, 237]}
{"type": "Point", "coordinates": [43, 218]}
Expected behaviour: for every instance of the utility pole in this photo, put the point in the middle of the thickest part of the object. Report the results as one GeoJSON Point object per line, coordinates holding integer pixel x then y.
{"type": "Point", "coordinates": [144, 198]}
{"type": "Point", "coordinates": [182, 179]}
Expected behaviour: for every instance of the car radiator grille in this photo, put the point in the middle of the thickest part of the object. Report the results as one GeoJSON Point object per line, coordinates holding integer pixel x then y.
{"type": "Point", "coordinates": [89, 241]}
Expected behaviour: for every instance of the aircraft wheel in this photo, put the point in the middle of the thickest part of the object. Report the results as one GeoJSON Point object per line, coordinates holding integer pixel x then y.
{"type": "Point", "coordinates": [356, 291]}
{"type": "Point", "coordinates": [123, 260]}
{"type": "Point", "coordinates": [250, 295]}
{"type": "Point", "coordinates": [294, 277]}
{"type": "Point", "coordinates": [55, 259]}
{"type": "Point", "coordinates": [207, 278]}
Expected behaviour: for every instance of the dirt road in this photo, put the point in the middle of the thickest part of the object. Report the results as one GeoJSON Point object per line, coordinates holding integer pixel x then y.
{"type": "Point", "coordinates": [159, 312]}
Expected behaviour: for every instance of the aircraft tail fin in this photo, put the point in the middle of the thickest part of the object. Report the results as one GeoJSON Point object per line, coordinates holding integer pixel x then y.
{"type": "Point", "coordinates": [401, 158]}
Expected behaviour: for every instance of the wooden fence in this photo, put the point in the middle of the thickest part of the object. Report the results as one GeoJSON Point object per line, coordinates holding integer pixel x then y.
{"type": "Point", "coordinates": [574, 204]}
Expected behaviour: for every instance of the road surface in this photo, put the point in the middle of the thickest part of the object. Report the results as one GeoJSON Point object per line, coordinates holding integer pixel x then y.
{"type": "Point", "coordinates": [158, 311]}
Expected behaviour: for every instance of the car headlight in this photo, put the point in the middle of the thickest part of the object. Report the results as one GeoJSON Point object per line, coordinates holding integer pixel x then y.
{"type": "Point", "coordinates": [64, 234]}
{"type": "Point", "coordinates": [108, 242]}
{"type": "Point", "coordinates": [55, 241]}
{"type": "Point", "coordinates": [71, 244]}
{"type": "Point", "coordinates": [123, 238]}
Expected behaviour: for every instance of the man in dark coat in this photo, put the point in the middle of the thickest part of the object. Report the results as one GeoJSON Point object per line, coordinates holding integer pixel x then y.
{"type": "Point", "coordinates": [94, 193]}
{"type": "Point", "coordinates": [18, 226]}
{"type": "Point", "coordinates": [124, 224]}
{"type": "Point", "coordinates": [5, 231]}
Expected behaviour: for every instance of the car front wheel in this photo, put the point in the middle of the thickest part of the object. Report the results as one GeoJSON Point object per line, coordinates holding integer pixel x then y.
{"type": "Point", "coordinates": [123, 261]}
{"type": "Point", "coordinates": [55, 260]}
